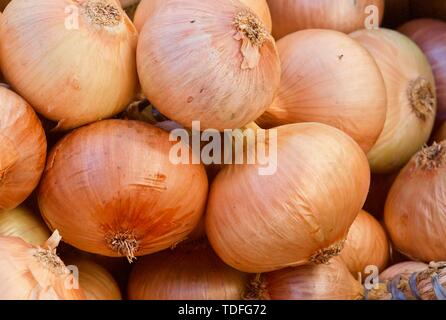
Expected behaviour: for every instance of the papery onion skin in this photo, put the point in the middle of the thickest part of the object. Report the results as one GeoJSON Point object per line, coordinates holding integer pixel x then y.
{"type": "Point", "coordinates": [185, 273]}
{"type": "Point", "coordinates": [70, 74]}
{"type": "Point", "coordinates": [21, 222]}
{"type": "Point", "coordinates": [327, 77]}
{"type": "Point", "coordinates": [111, 189]}
{"type": "Point", "coordinates": [299, 214]}
{"type": "Point", "coordinates": [430, 36]}
{"type": "Point", "coordinates": [341, 15]}
{"type": "Point", "coordinates": [414, 214]}
{"type": "Point", "coordinates": [146, 7]}
{"type": "Point", "coordinates": [195, 63]}
{"type": "Point", "coordinates": [34, 272]}
{"type": "Point", "coordinates": [331, 281]}
{"type": "Point", "coordinates": [366, 245]}
{"type": "Point", "coordinates": [411, 97]}
{"type": "Point", "coordinates": [403, 268]}
{"type": "Point", "coordinates": [22, 149]}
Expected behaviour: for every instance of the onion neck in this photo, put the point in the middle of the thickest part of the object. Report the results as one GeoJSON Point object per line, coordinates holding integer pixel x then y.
{"type": "Point", "coordinates": [50, 261]}
{"type": "Point", "coordinates": [124, 243]}
{"type": "Point", "coordinates": [256, 289]}
{"type": "Point", "coordinates": [323, 256]}
{"type": "Point", "coordinates": [422, 98]}
{"type": "Point", "coordinates": [431, 158]}
{"type": "Point", "coordinates": [104, 13]}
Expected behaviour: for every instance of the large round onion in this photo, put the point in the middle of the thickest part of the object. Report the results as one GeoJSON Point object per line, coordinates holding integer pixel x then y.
{"type": "Point", "coordinates": [212, 61]}
{"type": "Point", "coordinates": [22, 149]}
{"type": "Point", "coordinates": [342, 15]}
{"type": "Point", "coordinates": [111, 189]}
{"type": "Point", "coordinates": [191, 272]}
{"type": "Point", "coordinates": [366, 245]}
{"type": "Point", "coordinates": [75, 66]}
{"type": "Point", "coordinates": [414, 214]}
{"type": "Point", "coordinates": [430, 36]}
{"type": "Point", "coordinates": [301, 213]}
{"type": "Point", "coordinates": [328, 77]}
{"type": "Point", "coordinates": [411, 98]}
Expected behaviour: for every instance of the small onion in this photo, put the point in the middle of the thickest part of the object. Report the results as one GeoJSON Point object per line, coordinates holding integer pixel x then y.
{"type": "Point", "coordinates": [411, 97]}
{"type": "Point", "coordinates": [330, 281]}
{"type": "Point", "coordinates": [190, 272]}
{"type": "Point", "coordinates": [111, 189]}
{"type": "Point", "coordinates": [403, 268]}
{"type": "Point", "coordinates": [212, 61]}
{"type": "Point", "coordinates": [342, 15]}
{"type": "Point", "coordinates": [147, 7]}
{"type": "Point", "coordinates": [327, 77]}
{"type": "Point", "coordinates": [22, 223]}
{"type": "Point", "coordinates": [22, 149]}
{"type": "Point", "coordinates": [414, 214]}
{"type": "Point", "coordinates": [299, 214]}
{"type": "Point", "coordinates": [75, 66]}
{"type": "Point", "coordinates": [30, 272]}
{"type": "Point", "coordinates": [430, 36]}
{"type": "Point", "coordinates": [366, 245]}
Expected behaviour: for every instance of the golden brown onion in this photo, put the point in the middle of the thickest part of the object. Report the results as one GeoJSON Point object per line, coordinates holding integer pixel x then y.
{"type": "Point", "coordinates": [299, 214]}
{"type": "Point", "coordinates": [327, 77]}
{"type": "Point", "coordinates": [111, 189]}
{"type": "Point", "coordinates": [191, 272]}
{"type": "Point", "coordinates": [411, 97]}
{"type": "Point", "coordinates": [75, 66]}
{"type": "Point", "coordinates": [22, 149]}
{"type": "Point", "coordinates": [212, 61]}
{"type": "Point", "coordinates": [342, 15]}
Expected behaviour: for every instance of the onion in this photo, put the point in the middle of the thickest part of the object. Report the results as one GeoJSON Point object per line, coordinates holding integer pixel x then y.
{"type": "Point", "coordinates": [328, 77]}
{"type": "Point", "coordinates": [430, 36]}
{"type": "Point", "coordinates": [96, 282]}
{"type": "Point", "coordinates": [414, 213]}
{"type": "Point", "coordinates": [191, 272]}
{"type": "Point", "coordinates": [366, 245]}
{"type": "Point", "coordinates": [330, 281]}
{"type": "Point", "coordinates": [342, 15]}
{"type": "Point", "coordinates": [411, 98]}
{"type": "Point", "coordinates": [22, 223]}
{"type": "Point", "coordinates": [111, 189]}
{"type": "Point", "coordinates": [212, 61]}
{"type": "Point", "coordinates": [75, 66]}
{"type": "Point", "coordinates": [403, 268]}
{"type": "Point", "coordinates": [22, 150]}
{"type": "Point", "coordinates": [299, 214]}
{"type": "Point", "coordinates": [146, 7]}
{"type": "Point", "coordinates": [34, 273]}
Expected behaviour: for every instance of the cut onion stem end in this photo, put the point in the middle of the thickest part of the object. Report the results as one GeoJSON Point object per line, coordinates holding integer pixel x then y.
{"type": "Point", "coordinates": [433, 157]}
{"type": "Point", "coordinates": [323, 256]}
{"type": "Point", "coordinates": [422, 98]}
{"type": "Point", "coordinates": [251, 27]}
{"type": "Point", "coordinates": [103, 13]}
{"type": "Point", "coordinates": [125, 244]}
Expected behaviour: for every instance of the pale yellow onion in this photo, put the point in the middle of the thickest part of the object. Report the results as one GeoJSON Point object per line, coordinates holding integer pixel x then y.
{"type": "Point", "coordinates": [190, 272]}
{"type": "Point", "coordinates": [299, 214]}
{"type": "Point", "coordinates": [22, 149]}
{"type": "Point", "coordinates": [403, 268]}
{"type": "Point", "coordinates": [211, 61]}
{"type": "Point", "coordinates": [366, 245]}
{"type": "Point", "coordinates": [411, 97]}
{"type": "Point", "coordinates": [146, 7]}
{"type": "Point", "coordinates": [21, 222]}
{"type": "Point", "coordinates": [30, 272]}
{"type": "Point", "coordinates": [342, 15]}
{"type": "Point", "coordinates": [327, 77]}
{"type": "Point", "coordinates": [70, 74]}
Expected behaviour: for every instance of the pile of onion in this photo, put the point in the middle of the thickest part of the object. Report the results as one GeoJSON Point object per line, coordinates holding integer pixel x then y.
{"type": "Point", "coordinates": [366, 245]}
{"type": "Point", "coordinates": [331, 281]}
{"type": "Point", "coordinates": [190, 272]}
{"type": "Point", "coordinates": [31, 272]}
{"type": "Point", "coordinates": [299, 214]}
{"type": "Point", "coordinates": [342, 15]}
{"type": "Point", "coordinates": [411, 97]}
{"type": "Point", "coordinates": [147, 7]}
{"type": "Point", "coordinates": [111, 189]}
{"type": "Point", "coordinates": [430, 36]}
{"type": "Point", "coordinates": [212, 61]}
{"type": "Point", "coordinates": [327, 77]}
{"type": "Point", "coordinates": [414, 214]}
{"type": "Point", "coordinates": [75, 66]}
{"type": "Point", "coordinates": [22, 149]}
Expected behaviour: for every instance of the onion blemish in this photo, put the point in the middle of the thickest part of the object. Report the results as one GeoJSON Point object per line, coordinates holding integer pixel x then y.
{"type": "Point", "coordinates": [433, 157]}
{"type": "Point", "coordinates": [124, 243]}
{"type": "Point", "coordinates": [422, 98]}
{"type": "Point", "coordinates": [103, 13]}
